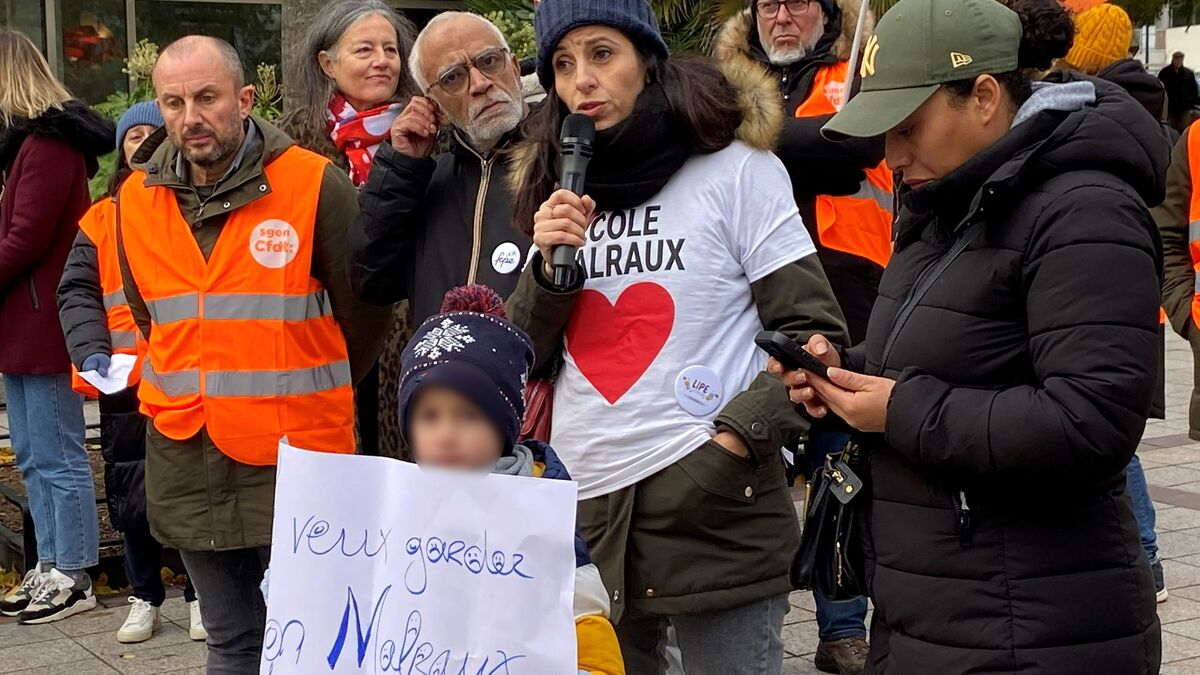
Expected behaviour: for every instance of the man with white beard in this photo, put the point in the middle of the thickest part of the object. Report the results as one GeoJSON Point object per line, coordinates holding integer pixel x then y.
{"type": "Point", "coordinates": [844, 193]}
{"type": "Point", "coordinates": [432, 222]}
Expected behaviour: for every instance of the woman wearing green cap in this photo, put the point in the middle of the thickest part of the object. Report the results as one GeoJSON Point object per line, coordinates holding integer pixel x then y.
{"type": "Point", "coordinates": [1010, 359]}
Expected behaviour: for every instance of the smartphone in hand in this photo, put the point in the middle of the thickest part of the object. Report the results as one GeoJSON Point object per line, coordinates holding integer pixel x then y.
{"type": "Point", "coordinates": [791, 355]}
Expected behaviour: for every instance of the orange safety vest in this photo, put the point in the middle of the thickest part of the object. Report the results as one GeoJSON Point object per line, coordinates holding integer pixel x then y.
{"type": "Point", "coordinates": [1194, 215]}
{"type": "Point", "coordinates": [100, 226]}
{"type": "Point", "coordinates": [244, 344]}
{"type": "Point", "coordinates": [861, 223]}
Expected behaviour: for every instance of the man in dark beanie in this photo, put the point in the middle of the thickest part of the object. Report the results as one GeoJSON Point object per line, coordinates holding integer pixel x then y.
{"type": "Point", "coordinates": [844, 193]}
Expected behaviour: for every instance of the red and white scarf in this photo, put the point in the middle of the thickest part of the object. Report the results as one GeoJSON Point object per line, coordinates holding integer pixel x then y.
{"type": "Point", "coordinates": [357, 135]}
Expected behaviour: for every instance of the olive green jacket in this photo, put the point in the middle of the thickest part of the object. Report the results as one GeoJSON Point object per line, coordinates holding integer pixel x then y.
{"type": "Point", "coordinates": [198, 498]}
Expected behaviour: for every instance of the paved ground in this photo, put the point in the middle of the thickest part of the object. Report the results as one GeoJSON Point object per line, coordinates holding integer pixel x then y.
{"type": "Point", "coordinates": [86, 644]}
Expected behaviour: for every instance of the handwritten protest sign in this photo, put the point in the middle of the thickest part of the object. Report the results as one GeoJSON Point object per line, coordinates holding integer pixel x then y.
{"type": "Point", "coordinates": [379, 566]}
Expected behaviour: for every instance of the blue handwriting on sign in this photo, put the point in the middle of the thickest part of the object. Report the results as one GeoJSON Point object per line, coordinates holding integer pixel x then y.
{"type": "Point", "coordinates": [275, 637]}
{"type": "Point", "coordinates": [318, 537]}
{"type": "Point", "coordinates": [473, 559]}
{"type": "Point", "coordinates": [418, 656]}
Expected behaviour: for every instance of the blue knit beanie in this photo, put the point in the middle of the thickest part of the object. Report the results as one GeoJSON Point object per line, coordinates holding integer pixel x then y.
{"type": "Point", "coordinates": [553, 19]}
{"type": "Point", "coordinates": [145, 112]}
{"type": "Point", "coordinates": [472, 349]}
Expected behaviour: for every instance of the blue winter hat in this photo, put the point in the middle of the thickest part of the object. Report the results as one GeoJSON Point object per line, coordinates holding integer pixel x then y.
{"type": "Point", "coordinates": [145, 112]}
{"type": "Point", "coordinates": [555, 18]}
{"type": "Point", "coordinates": [471, 348]}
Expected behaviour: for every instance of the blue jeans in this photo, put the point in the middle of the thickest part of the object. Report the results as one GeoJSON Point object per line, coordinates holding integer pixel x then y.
{"type": "Point", "coordinates": [848, 618]}
{"type": "Point", "coordinates": [1143, 507]}
{"type": "Point", "coordinates": [45, 418]}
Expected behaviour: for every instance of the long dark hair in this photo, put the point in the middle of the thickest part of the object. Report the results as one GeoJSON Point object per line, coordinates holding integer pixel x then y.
{"type": "Point", "coordinates": [700, 98]}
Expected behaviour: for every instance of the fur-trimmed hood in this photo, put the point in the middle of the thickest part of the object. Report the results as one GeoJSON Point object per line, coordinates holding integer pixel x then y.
{"type": "Point", "coordinates": [76, 125]}
{"type": "Point", "coordinates": [738, 38]}
{"type": "Point", "coordinates": [757, 96]}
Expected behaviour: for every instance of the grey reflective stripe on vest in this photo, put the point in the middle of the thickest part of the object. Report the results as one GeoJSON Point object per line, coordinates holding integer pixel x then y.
{"type": "Point", "coordinates": [1194, 231]}
{"type": "Point", "coordinates": [114, 299]}
{"type": "Point", "coordinates": [176, 383]}
{"type": "Point", "coordinates": [278, 382]}
{"type": "Point", "coordinates": [267, 306]}
{"type": "Point", "coordinates": [868, 190]}
{"type": "Point", "coordinates": [1196, 284]}
{"type": "Point", "coordinates": [175, 308]}
{"type": "Point", "coordinates": [123, 339]}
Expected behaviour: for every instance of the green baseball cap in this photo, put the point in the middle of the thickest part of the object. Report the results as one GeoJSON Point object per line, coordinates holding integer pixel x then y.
{"type": "Point", "coordinates": [918, 46]}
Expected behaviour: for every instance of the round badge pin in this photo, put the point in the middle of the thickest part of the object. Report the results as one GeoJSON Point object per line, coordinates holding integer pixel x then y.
{"type": "Point", "coordinates": [506, 258]}
{"type": "Point", "coordinates": [699, 390]}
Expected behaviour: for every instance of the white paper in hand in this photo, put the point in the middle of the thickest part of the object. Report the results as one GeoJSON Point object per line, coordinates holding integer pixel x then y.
{"type": "Point", "coordinates": [119, 370]}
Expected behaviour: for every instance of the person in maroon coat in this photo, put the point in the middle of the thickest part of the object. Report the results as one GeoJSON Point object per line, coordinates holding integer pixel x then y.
{"type": "Point", "coordinates": [48, 148]}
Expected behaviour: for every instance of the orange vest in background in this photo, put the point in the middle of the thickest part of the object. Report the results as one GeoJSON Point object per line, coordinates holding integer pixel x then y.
{"type": "Point", "coordinates": [100, 226]}
{"type": "Point", "coordinates": [244, 344]}
{"type": "Point", "coordinates": [861, 223]}
{"type": "Point", "coordinates": [1194, 215]}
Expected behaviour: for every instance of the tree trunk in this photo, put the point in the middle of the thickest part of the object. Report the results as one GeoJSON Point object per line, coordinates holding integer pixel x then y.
{"type": "Point", "coordinates": [297, 14]}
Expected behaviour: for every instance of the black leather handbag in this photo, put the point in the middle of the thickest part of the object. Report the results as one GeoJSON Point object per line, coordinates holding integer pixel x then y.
{"type": "Point", "coordinates": [831, 560]}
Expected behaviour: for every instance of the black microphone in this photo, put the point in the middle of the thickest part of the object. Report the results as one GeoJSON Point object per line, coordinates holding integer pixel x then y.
{"type": "Point", "coordinates": [578, 133]}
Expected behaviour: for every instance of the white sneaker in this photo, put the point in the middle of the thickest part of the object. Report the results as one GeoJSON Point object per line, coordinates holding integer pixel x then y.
{"type": "Point", "coordinates": [141, 623]}
{"type": "Point", "coordinates": [17, 600]}
{"type": "Point", "coordinates": [197, 631]}
{"type": "Point", "coordinates": [57, 598]}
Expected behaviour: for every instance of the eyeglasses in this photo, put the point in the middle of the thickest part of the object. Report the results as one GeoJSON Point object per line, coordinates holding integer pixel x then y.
{"type": "Point", "coordinates": [770, 8]}
{"type": "Point", "coordinates": [457, 79]}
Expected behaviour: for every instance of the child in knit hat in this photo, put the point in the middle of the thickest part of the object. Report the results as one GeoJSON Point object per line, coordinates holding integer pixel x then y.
{"type": "Point", "coordinates": [461, 406]}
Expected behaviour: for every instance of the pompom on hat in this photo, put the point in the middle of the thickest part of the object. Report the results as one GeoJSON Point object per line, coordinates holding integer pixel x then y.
{"type": "Point", "coordinates": [473, 349]}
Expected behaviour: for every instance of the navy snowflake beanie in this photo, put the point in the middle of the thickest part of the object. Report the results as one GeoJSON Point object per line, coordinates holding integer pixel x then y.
{"type": "Point", "coordinates": [473, 349]}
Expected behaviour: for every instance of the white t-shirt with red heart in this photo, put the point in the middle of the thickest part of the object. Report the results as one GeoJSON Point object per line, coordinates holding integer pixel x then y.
{"type": "Point", "coordinates": [662, 335]}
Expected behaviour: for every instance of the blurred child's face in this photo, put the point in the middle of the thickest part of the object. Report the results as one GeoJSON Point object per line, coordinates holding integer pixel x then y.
{"type": "Point", "coordinates": [447, 430]}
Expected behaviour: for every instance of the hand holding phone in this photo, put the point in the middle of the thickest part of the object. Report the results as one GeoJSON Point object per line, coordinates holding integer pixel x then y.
{"type": "Point", "coordinates": [791, 355]}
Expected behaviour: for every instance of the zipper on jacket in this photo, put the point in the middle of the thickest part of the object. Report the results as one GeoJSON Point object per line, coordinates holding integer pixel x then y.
{"type": "Point", "coordinates": [962, 514]}
{"type": "Point", "coordinates": [477, 234]}
{"type": "Point", "coordinates": [37, 306]}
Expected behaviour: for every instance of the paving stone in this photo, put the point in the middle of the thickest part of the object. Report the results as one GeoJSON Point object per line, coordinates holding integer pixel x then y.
{"type": "Point", "coordinates": [1188, 667]}
{"type": "Point", "coordinates": [1172, 476]}
{"type": "Point", "coordinates": [800, 638]}
{"type": "Point", "coordinates": [92, 666]}
{"type": "Point", "coordinates": [158, 660]}
{"type": "Point", "coordinates": [96, 621]}
{"type": "Point", "coordinates": [1171, 520]}
{"type": "Point", "coordinates": [175, 609]}
{"type": "Point", "coordinates": [1177, 647]}
{"type": "Point", "coordinates": [799, 665]}
{"type": "Point", "coordinates": [1178, 608]}
{"type": "Point", "coordinates": [1178, 574]}
{"type": "Point", "coordinates": [1178, 544]}
{"type": "Point", "coordinates": [40, 655]}
{"type": "Point", "coordinates": [105, 644]}
{"type": "Point", "coordinates": [13, 634]}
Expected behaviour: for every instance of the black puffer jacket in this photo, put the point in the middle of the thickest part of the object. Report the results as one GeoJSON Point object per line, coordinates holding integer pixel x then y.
{"type": "Point", "coordinates": [1023, 381]}
{"type": "Point", "coordinates": [429, 225]}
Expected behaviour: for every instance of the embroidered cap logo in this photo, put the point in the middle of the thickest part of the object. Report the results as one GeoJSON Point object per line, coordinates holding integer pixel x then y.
{"type": "Point", "coordinates": [958, 60]}
{"type": "Point", "coordinates": [869, 54]}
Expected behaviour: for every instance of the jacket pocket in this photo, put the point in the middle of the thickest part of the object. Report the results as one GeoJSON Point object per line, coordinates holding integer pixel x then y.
{"type": "Point", "coordinates": [33, 296]}
{"type": "Point", "coordinates": [719, 472]}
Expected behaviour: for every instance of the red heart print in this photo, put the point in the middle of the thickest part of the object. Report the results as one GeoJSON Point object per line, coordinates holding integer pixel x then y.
{"type": "Point", "coordinates": [614, 345]}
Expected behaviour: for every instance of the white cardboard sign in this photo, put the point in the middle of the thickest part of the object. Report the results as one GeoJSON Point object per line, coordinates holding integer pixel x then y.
{"type": "Point", "coordinates": [380, 566]}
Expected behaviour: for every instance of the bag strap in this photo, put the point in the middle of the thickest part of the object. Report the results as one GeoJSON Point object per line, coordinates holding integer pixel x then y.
{"type": "Point", "coordinates": [924, 283]}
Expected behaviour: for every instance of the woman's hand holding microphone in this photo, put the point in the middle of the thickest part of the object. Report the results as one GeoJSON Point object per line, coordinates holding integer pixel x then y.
{"type": "Point", "coordinates": [562, 221]}
{"type": "Point", "coordinates": [860, 400]}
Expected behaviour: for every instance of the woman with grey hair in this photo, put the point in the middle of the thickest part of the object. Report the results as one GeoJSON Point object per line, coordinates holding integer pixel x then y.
{"type": "Point", "coordinates": [351, 70]}
{"type": "Point", "coordinates": [350, 67]}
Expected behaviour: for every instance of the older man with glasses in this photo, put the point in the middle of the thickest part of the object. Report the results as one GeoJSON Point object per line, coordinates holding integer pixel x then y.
{"type": "Point", "coordinates": [431, 222]}
{"type": "Point", "coordinates": [844, 193]}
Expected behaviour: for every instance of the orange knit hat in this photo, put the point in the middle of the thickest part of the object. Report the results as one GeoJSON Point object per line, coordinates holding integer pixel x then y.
{"type": "Point", "coordinates": [1102, 37]}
